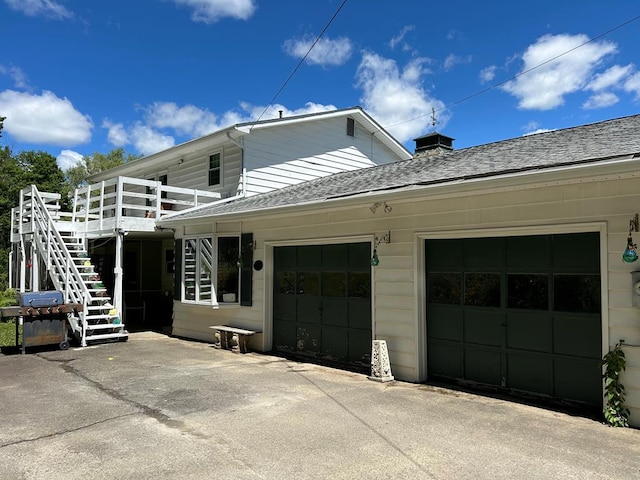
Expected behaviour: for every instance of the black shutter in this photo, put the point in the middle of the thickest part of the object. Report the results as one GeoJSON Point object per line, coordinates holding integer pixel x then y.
{"type": "Point", "coordinates": [246, 272]}
{"type": "Point", "coordinates": [177, 272]}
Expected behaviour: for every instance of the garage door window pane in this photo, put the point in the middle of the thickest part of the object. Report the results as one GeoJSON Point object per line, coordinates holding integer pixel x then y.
{"type": "Point", "coordinates": [286, 283]}
{"type": "Point", "coordinates": [334, 284]}
{"type": "Point", "coordinates": [577, 293]}
{"type": "Point", "coordinates": [308, 283]}
{"type": "Point", "coordinates": [482, 289]}
{"type": "Point", "coordinates": [528, 291]}
{"type": "Point", "coordinates": [359, 285]}
{"type": "Point", "coordinates": [444, 288]}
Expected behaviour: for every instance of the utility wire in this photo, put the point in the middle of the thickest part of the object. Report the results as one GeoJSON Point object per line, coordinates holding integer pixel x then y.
{"type": "Point", "coordinates": [496, 85]}
{"type": "Point", "coordinates": [300, 62]}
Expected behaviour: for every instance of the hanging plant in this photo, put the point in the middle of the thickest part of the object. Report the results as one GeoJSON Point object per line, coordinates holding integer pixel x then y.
{"type": "Point", "coordinates": [615, 413]}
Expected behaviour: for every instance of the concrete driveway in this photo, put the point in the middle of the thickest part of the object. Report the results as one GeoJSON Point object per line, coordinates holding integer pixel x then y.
{"type": "Point", "coordinates": [163, 408]}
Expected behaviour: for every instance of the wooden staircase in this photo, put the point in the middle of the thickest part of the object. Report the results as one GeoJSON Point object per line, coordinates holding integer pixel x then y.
{"type": "Point", "coordinates": [70, 269]}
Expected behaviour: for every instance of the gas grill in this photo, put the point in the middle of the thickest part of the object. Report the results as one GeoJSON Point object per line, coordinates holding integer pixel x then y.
{"type": "Point", "coordinates": [43, 317]}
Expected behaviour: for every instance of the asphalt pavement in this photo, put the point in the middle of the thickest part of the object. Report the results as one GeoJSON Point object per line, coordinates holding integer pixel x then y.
{"type": "Point", "coordinates": [158, 407]}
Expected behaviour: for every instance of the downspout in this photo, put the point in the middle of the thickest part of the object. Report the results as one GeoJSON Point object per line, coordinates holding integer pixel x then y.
{"type": "Point", "coordinates": [243, 180]}
{"type": "Point", "coordinates": [242, 187]}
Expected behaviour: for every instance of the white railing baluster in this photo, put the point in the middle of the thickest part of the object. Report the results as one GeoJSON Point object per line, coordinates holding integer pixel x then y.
{"type": "Point", "coordinates": [119, 198]}
{"type": "Point", "coordinates": [87, 204]}
{"type": "Point", "coordinates": [101, 218]}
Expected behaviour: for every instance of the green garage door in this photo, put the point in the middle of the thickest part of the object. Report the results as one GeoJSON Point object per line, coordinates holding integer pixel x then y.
{"type": "Point", "coordinates": [322, 302]}
{"type": "Point", "coordinates": [520, 313]}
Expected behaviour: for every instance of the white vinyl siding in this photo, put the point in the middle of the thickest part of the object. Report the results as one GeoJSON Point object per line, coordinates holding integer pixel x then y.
{"type": "Point", "coordinates": [278, 157]}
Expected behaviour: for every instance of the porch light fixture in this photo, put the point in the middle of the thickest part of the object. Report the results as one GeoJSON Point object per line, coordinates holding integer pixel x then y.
{"type": "Point", "coordinates": [377, 240]}
{"type": "Point", "coordinates": [631, 252]}
{"type": "Point", "coordinates": [375, 206]}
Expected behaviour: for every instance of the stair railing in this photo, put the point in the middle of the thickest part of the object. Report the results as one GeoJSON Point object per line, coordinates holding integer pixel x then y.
{"type": "Point", "coordinates": [65, 273]}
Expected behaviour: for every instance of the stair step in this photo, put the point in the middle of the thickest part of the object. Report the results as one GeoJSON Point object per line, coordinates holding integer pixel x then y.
{"type": "Point", "coordinates": [104, 326]}
{"type": "Point", "coordinates": [103, 306]}
{"type": "Point", "coordinates": [104, 316]}
{"type": "Point", "coordinates": [100, 299]}
{"type": "Point", "coordinates": [106, 336]}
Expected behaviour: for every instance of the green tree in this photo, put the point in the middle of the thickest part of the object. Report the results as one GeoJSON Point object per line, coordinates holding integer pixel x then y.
{"type": "Point", "coordinates": [98, 162]}
{"type": "Point", "coordinates": [17, 172]}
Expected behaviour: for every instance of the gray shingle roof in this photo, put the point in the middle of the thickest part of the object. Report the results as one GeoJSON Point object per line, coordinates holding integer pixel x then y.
{"type": "Point", "coordinates": [583, 144]}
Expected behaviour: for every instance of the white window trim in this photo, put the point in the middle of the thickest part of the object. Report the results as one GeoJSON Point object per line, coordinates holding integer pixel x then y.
{"type": "Point", "coordinates": [214, 287]}
{"type": "Point", "coordinates": [221, 167]}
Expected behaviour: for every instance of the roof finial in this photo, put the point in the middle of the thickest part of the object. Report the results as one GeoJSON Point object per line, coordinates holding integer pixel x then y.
{"type": "Point", "coordinates": [433, 117]}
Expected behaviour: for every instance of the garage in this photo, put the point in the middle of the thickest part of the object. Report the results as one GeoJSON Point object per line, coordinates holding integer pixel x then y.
{"type": "Point", "coordinates": [322, 303]}
{"type": "Point", "coordinates": [520, 313]}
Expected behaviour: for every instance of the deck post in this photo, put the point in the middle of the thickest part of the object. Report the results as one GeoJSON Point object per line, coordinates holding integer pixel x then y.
{"type": "Point", "coordinates": [35, 272]}
{"type": "Point", "coordinates": [117, 272]}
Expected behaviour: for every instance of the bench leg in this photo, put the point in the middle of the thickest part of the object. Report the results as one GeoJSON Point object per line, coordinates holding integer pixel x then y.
{"type": "Point", "coordinates": [226, 340]}
{"type": "Point", "coordinates": [243, 343]}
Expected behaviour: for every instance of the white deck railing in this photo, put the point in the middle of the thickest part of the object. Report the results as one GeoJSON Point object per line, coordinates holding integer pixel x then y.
{"type": "Point", "coordinates": [129, 203]}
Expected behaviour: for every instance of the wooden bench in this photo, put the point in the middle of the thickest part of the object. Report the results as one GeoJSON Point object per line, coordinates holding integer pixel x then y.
{"type": "Point", "coordinates": [226, 337]}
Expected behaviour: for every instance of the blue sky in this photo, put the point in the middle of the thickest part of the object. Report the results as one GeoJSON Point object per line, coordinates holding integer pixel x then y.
{"type": "Point", "coordinates": [78, 77]}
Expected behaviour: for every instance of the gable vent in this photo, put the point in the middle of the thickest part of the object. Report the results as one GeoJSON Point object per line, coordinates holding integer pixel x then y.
{"type": "Point", "coordinates": [351, 127]}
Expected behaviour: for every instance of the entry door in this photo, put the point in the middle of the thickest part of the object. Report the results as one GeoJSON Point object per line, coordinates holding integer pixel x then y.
{"type": "Point", "coordinates": [520, 313]}
{"type": "Point", "coordinates": [322, 302]}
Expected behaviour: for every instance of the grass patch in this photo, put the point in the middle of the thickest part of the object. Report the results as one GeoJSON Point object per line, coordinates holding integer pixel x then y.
{"type": "Point", "coordinates": [8, 298]}
{"type": "Point", "coordinates": [8, 328]}
{"type": "Point", "coordinates": [7, 334]}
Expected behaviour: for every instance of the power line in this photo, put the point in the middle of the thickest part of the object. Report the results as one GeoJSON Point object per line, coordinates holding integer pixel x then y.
{"type": "Point", "coordinates": [300, 62]}
{"type": "Point", "coordinates": [524, 72]}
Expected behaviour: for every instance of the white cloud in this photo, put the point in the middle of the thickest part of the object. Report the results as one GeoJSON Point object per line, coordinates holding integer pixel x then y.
{"type": "Point", "coordinates": [186, 120]}
{"type": "Point", "coordinates": [453, 60]}
{"type": "Point", "coordinates": [210, 11]}
{"type": "Point", "coordinates": [611, 78]}
{"type": "Point", "coordinates": [545, 87]}
{"type": "Point", "coordinates": [326, 52]}
{"type": "Point", "coordinates": [17, 75]}
{"type": "Point", "coordinates": [117, 134]}
{"type": "Point", "coordinates": [393, 96]}
{"type": "Point", "coordinates": [44, 118]}
{"type": "Point", "coordinates": [68, 158]}
{"type": "Point", "coordinates": [538, 130]}
{"type": "Point", "coordinates": [400, 37]}
{"type": "Point", "coordinates": [152, 135]}
{"type": "Point", "coordinates": [600, 100]}
{"type": "Point", "coordinates": [488, 74]}
{"type": "Point", "coordinates": [146, 140]}
{"type": "Point", "coordinates": [273, 111]}
{"type": "Point", "coordinates": [36, 8]}
{"type": "Point", "coordinates": [532, 128]}
{"type": "Point", "coordinates": [632, 85]}
{"type": "Point", "coordinates": [454, 35]}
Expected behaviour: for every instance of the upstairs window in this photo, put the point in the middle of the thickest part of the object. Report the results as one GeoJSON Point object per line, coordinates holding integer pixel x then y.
{"type": "Point", "coordinates": [215, 169]}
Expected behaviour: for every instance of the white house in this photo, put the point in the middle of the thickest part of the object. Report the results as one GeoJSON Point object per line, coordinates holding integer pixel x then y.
{"type": "Point", "coordinates": [498, 265]}
{"type": "Point", "coordinates": [110, 254]}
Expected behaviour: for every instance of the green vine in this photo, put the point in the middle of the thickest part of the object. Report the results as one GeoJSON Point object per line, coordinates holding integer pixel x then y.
{"type": "Point", "coordinates": [615, 413]}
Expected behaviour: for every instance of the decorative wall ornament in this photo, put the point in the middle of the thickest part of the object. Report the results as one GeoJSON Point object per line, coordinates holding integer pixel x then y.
{"type": "Point", "coordinates": [631, 252]}
{"type": "Point", "coordinates": [379, 238]}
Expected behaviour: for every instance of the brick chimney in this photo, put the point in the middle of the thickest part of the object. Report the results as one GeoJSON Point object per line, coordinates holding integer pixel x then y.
{"type": "Point", "coordinates": [432, 144]}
